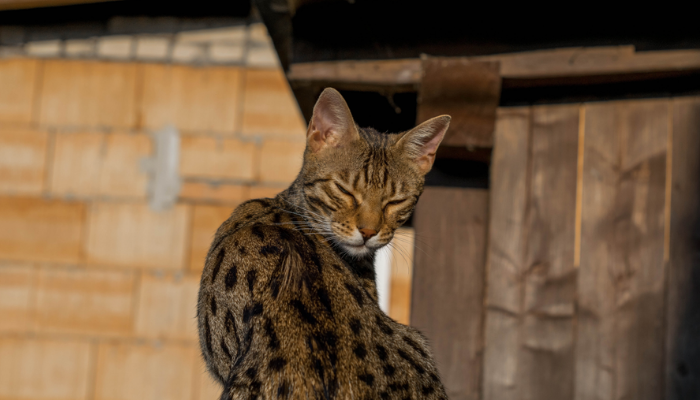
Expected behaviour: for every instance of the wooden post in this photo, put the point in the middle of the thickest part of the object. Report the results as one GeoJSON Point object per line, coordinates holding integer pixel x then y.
{"type": "Point", "coordinates": [448, 283]}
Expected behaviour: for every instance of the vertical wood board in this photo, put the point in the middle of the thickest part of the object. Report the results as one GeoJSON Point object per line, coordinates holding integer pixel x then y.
{"type": "Point", "coordinates": [448, 283]}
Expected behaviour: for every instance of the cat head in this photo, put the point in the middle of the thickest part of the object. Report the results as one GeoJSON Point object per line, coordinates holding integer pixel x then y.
{"type": "Point", "coordinates": [359, 185]}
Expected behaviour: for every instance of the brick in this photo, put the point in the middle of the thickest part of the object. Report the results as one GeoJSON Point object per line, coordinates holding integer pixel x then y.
{"type": "Point", "coordinates": [205, 221]}
{"type": "Point", "coordinates": [92, 164]}
{"type": "Point", "coordinates": [191, 99]}
{"type": "Point", "coordinates": [207, 388]}
{"type": "Point", "coordinates": [152, 47]}
{"type": "Point", "coordinates": [18, 79]}
{"type": "Point", "coordinates": [43, 48]}
{"type": "Point", "coordinates": [22, 161]}
{"type": "Point", "coordinates": [207, 157]}
{"type": "Point", "coordinates": [133, 236]}
{"type": "Point", "coordinates": [234, 34]}
{"type": "Point", "coordinates": [117, 47]}
{"type": "Point", "coordinates": [269, 107]}
{"type": "Point", "coordinates": [81, 301]}
{"type": "Point", "coordinates": [80, 48]}
{"type": "Point", "coordinates": [44, 369]}
{"type": "Point", "coordinates": [188, 53]}
{"type": "Point", "coordinates": [258, 192]}
{"type": "Point", "coordinates": [217, 193]}
{"type": "Point", "coordinates": [262, 57]}
{"type": "Point", "coordinates": [257, 34]}
{"type": "Point", "coordinates": [41, 230]}
{"type": "Point", "coordinates": [144, 372]}
{"type": "Point", "coordinates": [167, 307]}
{"type": "Point", "coordinates": [88, 93]}
{"type": "Point", "coordinates": [226, 53]}
{"type": "Point", "coordinates": [17, 289]}
{"type": "Point", "coordinates": [280, 161]}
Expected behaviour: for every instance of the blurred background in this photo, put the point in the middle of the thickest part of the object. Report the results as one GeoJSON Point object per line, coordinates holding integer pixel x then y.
{"type": "Point", "coordinates": [553, 255]}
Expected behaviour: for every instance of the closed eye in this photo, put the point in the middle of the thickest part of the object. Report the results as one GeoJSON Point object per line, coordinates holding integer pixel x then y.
{"type": "Point", "coordinates": [342, 189]}
{"type": "Point", "coordinates": [395, 202]}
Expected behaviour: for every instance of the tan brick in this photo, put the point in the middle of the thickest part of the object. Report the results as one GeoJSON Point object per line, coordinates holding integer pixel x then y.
{"type": "Point", "coordinates": [88, 93]}
{"type": "Point", "coordinates": [144, 372]}
{"type": "Point", "coordinates": [280, 161]}
{"type": "Point", "coordinates": [95, 164]}
{"type": "Point", "coordinates": [85, 301]}
{"type": "Point", "coordinates": [43, 48]}
{"type": "Point", "coordinates": [22, 161]}
{"type": "Point", "coordinates": [259, 192]}
{"type": "Point", "coordinates": [207, 192]}
{"type": "Point", "coordinates": [190, 98]}
{"type": "Point", "coordinates": [133, 236]}
{"type": "Point", "coordinates": [205, 221]}
{"type": "Point", "coordinates": [42, 230]}
{"type": "Point", "coordinates": [44, 369]}
{"type": "Point", "coordinates": [207, 388]}
{"type": "Point", "coordinates": [269, 107]}
{"type": "Point", "coordinates": [18, 82]}
{"type": "Point", "coordinates": [167, 307]}
{"type": "Point", "coordinates": [211, 158]}
{"type": "Point", "coordinates": [17, 289]}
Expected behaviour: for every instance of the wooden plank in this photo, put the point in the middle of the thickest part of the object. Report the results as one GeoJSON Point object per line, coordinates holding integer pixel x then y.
{"type": "Point", "coordinates": [466, 90]}
{"type": "Point", "coordinates": [20, 4]}
{"type": "Point", "coordinates": [508, 200]}
{"type": "Point", "coordinates": [577, 61]}
{"type": "Point", "coordinates": [448, 283]}
{"type": "Point", "coordinates": [683, 317]}
{"type": "Point", "coordinates": [620, 330]}
{"type": "Point", "coordinates": [546, 350]}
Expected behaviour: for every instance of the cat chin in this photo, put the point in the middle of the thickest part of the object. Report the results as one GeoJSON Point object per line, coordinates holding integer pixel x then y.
{"type": "Point", "coordinates": [357, 251]}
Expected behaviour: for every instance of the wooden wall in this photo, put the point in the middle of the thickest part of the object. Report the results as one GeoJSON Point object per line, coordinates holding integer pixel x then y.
{"type": "Point", "coordinates": [589, 281]}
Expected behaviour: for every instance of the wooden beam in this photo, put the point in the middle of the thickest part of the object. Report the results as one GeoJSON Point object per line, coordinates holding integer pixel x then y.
{"type": "Point", "coordinates": [21, 4]}
{"type": "Point", "coordinates": [580, 61]}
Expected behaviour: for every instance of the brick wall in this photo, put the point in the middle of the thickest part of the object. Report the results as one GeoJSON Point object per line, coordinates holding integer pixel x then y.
{"type": "Point", "coordinates": [97, 291]}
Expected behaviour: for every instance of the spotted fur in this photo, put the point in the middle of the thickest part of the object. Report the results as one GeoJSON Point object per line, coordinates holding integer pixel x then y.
{"type": "Point", "coordinates": [288, 301]}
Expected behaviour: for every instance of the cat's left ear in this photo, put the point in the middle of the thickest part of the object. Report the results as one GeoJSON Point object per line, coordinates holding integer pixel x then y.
{"type": "Point", "coordinates": [421, 143]}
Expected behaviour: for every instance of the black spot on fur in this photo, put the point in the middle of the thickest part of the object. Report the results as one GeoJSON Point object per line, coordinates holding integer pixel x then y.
{"type": "Point", "coordinates": [207, 335]}
{"type": "Point", "coordinates": [383, 326]}
{"type": "Point", "coordinates": [325, 300]}
{"type": "Point", "coordinates": [257, 231]}
{"type": "Point", "coordinates": [251, 372]}
{"type": "Point", "coordinates": [231, 277]}
{"type": "Point", "coordinates": [272, 335]}
{"type": "Point", "coordinates": [262, 202]}
{"type": "Point", "coordinates": [277, 363]}
{"type": "Point", "coordinates": [283, 390]}
{"type": "Point", "coordinates": [250, 277]}
{"type": "Point", "coordinates": [366, 378]}
{"type": "Point", "coordinates": [213, 305]}
{"type": "Point", "coordinates": [305, 314]}
{"type": "Point", "coordinates": [286, 235]}
{"type": "Point", "coordinates": [275, 284]}
{"type": "Point", "coordinates": [255, 389]}
{"type": "Point", "coordinates": [224, 347]}
{"type": "Point", "coordinates": [276, 218]}
{"type": "Point", "coordinates": [415, 346]}
{"type": "Point", "coordinates": [384, 395]}
{"type": "Point", "coordinates": [248, 216]}
{"type": "Point", "coordinates": [381, 352]}
{"type": "Point", "coordinates": [360, 351]}
{"type": "Point", "coordinates": [270, 249]}
{"type": "Point", "coordinates": [395, 387]}
{"type": "Point", "coordinates": [428, 390]}
{"type": "Point", "coordinates": [251, 311]}
{"type": "Point", "coordinates": [242, 250]}
{"type": "Point", "coordinates": [389, 370]}
{"type": "Point", "coordinates": [411, 361]}
{"type": "Point", "coordinates": [337, 267]}
{"type": "Point", "coordinates": [355, 326]}
{"type": "Point", "coordinates": [434, 377]}
{"type": "Point", "coordinates": [356, 293]}
{"type": "Point", "coordinates": [217, 264]}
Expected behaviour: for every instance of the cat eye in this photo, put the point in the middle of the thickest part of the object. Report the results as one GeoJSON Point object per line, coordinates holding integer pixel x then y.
{"type": "Point", "coordinates": [342, 189]}
{"type": "Point", "coordinates": [395, 202]}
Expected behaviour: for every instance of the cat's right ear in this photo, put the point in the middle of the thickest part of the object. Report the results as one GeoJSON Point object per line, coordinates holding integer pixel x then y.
{"type": "Point", "coordinates": [331, 124]}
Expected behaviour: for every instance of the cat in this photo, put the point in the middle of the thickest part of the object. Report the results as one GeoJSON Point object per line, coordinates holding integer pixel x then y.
{"type": "Point", "coordinates": [288, 305]}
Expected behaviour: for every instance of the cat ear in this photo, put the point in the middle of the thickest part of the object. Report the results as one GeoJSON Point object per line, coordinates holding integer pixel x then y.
{"type": "Point", "coordinates": [331, 124]}
{"type": "Point", "coordinates": [421, 142]}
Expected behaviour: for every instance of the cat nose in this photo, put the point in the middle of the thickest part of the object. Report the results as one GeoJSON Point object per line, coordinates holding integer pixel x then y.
{"type": "Point", "coordinates": [367, 233]}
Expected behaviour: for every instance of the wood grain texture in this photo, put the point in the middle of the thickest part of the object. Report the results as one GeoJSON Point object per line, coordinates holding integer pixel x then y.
{"type": "Point", "coordinates": [683, 315]}
{"type": "Point", "coordinates": [448, 283]}
{"type": "Point", "coordinates": [508, 202]}
{"type": "Point", "coordinates": [620, 349]}
{"type": "Point", "coordinates": [546, 349]}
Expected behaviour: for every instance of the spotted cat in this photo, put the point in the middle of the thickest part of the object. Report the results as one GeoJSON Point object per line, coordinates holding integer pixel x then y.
{"type": "Point", "coordinates": [288, 302]}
